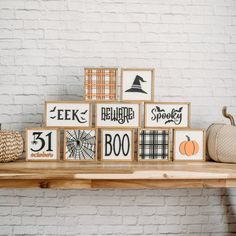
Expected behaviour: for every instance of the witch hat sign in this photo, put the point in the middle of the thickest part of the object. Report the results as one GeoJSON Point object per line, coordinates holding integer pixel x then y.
{"type": "Point", "coordinates": [136, 86]}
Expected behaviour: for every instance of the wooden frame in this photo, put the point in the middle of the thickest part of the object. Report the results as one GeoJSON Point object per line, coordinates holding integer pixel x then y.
{"type": "Point", "coordinates": [68, 102]}
{"type": "Point", "coordinates": [42, 128]}
{"type": "Point", "coordinates": [132, 144]}
{"type": "Point", "coordinates": [101, 68]}
{"type": "Point", "coordinates": [96, 143]}
{"type": "Point", "coordinates": [152, 83]}
{"type": "Point", "coordinates": [169, 145]}
{"type": "Point", "coordinates": [119, 102]}
{"type": "Point", "coordinates": [168, 103]}
{"type": "Point", "coordinates": [203, 144]}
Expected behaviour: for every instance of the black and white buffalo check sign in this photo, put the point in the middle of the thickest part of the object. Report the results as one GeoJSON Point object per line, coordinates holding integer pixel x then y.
{"type": "Point", "coordinates": [153, 144]}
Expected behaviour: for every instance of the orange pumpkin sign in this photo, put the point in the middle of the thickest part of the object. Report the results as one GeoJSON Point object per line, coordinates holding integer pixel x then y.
{"type": "Point", "coordinates": [189, 147]}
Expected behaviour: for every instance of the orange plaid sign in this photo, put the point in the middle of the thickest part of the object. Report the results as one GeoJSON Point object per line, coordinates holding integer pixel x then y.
{"type": "Point", "coordinates": [100, 84]}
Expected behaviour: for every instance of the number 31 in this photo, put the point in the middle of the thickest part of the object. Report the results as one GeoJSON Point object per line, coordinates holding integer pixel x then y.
{"type": "Point", "coordinates": [38, 138]}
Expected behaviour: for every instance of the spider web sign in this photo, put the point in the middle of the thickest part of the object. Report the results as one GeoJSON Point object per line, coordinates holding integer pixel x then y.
{"type": "Point", "coordinates": [80, 144]}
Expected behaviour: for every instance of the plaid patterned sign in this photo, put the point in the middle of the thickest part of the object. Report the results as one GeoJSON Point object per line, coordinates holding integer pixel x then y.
{"type": "Point", "coordinates": [154, 144]}
{"type": "Point", "coordinates": [100, 84]}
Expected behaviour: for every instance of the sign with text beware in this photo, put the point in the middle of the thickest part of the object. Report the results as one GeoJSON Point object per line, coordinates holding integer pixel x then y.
{"type": "Point", "coordinates": [171, 115]}
{"type": "Point", "coordinates": [67, 114]}
{"type": "Point", "coordinates": [118, 114]}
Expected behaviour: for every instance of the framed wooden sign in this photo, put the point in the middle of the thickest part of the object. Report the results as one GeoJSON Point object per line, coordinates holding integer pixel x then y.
{"type": "Point", "coordinates": [80, 144]}
{"type": "Point", "coordinates": [154, 145]}
{"type": "Point", "coordinates": [167, 114]}
{"type": "Point", "coordinates": [189, 145]}
{"type": "Point", "coordinates": [137, 84]}
{"type": "Point", "coordinates": [100, 84]}
{"type": "Point", "coordinates": [119, 114]}
{"type": "Point", "coordinates": [67, 114]}
{"type": "Point", "coordinates": [117, 144]}
{"type": "Point", "coordinates": [42, 144]}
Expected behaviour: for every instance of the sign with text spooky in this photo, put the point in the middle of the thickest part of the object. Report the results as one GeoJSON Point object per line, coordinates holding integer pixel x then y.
{"type": "Point", "coordinates": [117, 115]}
{"type": "Point", "coordinates": [171, 115]}
{"type": "Point", "coordinates": [68, 114]}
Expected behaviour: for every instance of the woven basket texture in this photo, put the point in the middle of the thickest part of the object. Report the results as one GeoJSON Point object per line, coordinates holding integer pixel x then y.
{"type": "Point", "coordinates": [11, 146]}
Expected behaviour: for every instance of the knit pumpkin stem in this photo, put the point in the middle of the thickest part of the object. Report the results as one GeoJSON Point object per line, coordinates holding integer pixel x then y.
{"type": "Point", "coordinates": [227, 115]}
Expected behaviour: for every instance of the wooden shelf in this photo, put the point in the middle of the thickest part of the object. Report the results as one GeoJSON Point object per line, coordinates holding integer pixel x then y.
{"type": "Point", "coordinates": [73, 175]}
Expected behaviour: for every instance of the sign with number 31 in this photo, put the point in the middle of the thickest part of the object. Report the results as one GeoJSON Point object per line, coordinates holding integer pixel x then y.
{"type": "Point", "coordinates": [42, 144]}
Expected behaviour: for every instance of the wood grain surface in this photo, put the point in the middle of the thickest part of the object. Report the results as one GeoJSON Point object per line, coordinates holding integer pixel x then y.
{"type": "Point", "coordinates": [74, 175]}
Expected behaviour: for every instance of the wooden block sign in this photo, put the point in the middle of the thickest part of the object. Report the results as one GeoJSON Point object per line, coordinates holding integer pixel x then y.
{"type": "Point", "coordinates": [118, 114]}
{"type": "Point", "coordinates": [137, 84]}
{"type": "Point", "coordinates": [154, 145]}
{"type": "Point", "coordinates": [189, 145]}
{"type": "Point", "coordinates": [42, 144]}
{"type": "Point", "coordinates": [80, 144]}
{"type": "Point", "coordinates": [67, 114]}
{"type": "Point", "coordinates": [117, 144]}
{"type": "Point", "coordinates": [100, 83]}
{"type": "Point", "coordinates": [169, 115]}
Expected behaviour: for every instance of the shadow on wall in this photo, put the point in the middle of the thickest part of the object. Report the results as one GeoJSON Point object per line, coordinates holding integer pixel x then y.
{"type": "Point", "coordinates": [229, 203]}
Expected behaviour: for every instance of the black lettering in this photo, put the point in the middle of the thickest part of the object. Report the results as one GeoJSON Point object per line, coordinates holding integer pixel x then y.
{"type": "Point", "coordinates": [117, 152]}
{"type": "Point", "coordinates": [174, 116]}
{"type": "Point", "coordinates": [120, 115]}
{"type": "Point", "coordinates": [125, 153]}
{"type": "Point", "coordinates": [103, 117]}
{"type": "Point", "coordinates": [67, 114]}
{"type": "Point", "coordinates": [70, 114]}
{"type": "Point", "coordinates": [108, 145]}
{"type": "Point", "coordinates": [59, 114]}
{"type": "Point", "coordinates": [74, 115]}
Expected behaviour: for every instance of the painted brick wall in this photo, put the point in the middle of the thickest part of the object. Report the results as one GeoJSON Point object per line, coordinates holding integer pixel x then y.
{"type": "Point", "coordinates": [44, 46]}
{"type": "Point", "coordinates": [118, 212]}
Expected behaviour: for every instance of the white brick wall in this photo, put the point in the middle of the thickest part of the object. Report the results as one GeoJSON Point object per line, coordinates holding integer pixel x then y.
{"type": "Point", "coordinates": [44, 46]}
{"type": "Point", "coordinates": [118, 212]}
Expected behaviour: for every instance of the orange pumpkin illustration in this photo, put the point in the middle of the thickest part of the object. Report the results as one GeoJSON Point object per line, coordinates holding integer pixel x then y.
{"type": "Point", "coordinates": [189, 147]}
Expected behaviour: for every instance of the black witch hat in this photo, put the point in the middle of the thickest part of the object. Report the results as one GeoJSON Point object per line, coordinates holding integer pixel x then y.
{"type": "Point", "coordinates": [136, 86]}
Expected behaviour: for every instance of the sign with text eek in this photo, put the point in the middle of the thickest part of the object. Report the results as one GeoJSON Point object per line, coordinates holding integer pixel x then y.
{"type": "Point", "coordinates": [167, 114]}
{"type": "Point", "coordinates": [117, 115]}
{"type": "Point", "coordinates": [67, 114]}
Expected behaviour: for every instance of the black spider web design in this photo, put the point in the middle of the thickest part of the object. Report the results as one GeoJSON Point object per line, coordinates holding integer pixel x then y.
{"type": "Point", "coordinates": [80, 144]}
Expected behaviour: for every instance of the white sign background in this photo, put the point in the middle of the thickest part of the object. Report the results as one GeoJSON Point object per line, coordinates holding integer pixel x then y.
{"type": "Point", "coordinates": [107, 123]}
{"type": "Point", "coordinates": [180, 136]}
{"type": "Point", "coordinates": [81, 107]}
{"type": "Point", "coordinates": [128, 78]}
{"type": "Point", "coordinates": [52, 155]}
{"type": "Point", "coordinates": [126, 145]}
{"type": "Point", "coordinates": [168, 108]}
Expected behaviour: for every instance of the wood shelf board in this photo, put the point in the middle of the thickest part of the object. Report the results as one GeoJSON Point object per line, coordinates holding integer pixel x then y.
{"type": "Point", "coordinates": [116, 175]}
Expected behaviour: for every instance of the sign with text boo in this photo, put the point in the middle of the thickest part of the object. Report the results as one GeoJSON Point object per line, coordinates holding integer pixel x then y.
{"type": "Point", "coordinates": [167, 114]}
{"type": "Point", "coordinates": [117, 144]}
{"type": "Point", "coordinates": [67, 114]}
{"type": "Point", "coordinates": [119, 114]}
